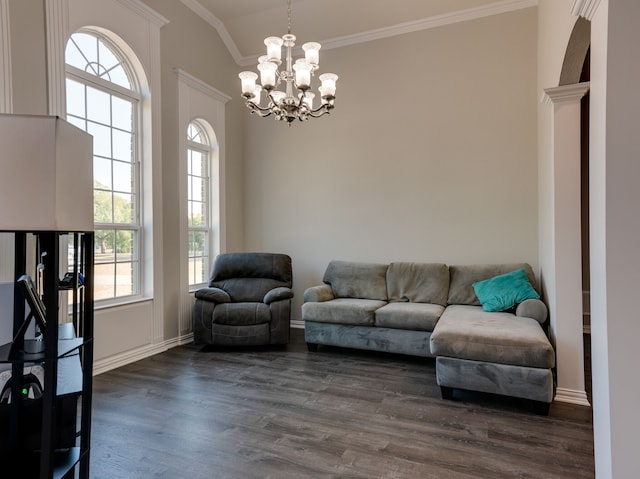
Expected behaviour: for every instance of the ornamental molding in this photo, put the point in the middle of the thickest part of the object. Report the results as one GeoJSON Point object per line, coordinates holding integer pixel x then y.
{"type": "Point", "coordinates": [496, 8]}
{"type": "Point", "coordinates": [565, 93]}
{"type": "Point", "coordinates": [585, 8]}
{"type": "Point", "coordinates": [201, 86]}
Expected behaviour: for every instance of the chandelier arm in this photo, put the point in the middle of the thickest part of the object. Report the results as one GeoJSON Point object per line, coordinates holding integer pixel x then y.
{"type": "Point", "coordinates": [321, 110]}
{"type": "Point", "coordinates": [262, 112]}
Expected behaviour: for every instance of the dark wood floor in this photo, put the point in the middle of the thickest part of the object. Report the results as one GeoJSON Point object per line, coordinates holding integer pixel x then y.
{"type": "Point", "coordinates": [287, 413]}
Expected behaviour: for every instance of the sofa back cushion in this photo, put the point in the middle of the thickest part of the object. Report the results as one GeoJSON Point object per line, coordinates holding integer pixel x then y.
{"type": "Point", "coordinates": [357, 280]}
{"type": "Point", "coordinates": [462, 278]}
{"type": "Point", "coordinates": [418, 282]}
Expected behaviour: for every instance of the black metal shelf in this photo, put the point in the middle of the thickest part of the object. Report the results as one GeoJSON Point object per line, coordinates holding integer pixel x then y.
{"type": "Point", "coordinates": [48, 435]}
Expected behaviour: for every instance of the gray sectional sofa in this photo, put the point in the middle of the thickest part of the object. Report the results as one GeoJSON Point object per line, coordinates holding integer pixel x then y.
{"type": "Point", "coordinates": [432, 310]}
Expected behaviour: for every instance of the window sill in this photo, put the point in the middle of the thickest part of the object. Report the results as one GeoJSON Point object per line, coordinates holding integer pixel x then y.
{"type": "Point", "coordinates": [98, 307]}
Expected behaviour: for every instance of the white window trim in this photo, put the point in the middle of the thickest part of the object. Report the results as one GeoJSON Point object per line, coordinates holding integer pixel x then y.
{"type": "Point", "coordinates": [139, 26]}
{"type": "Point", "coordinates": [205, 150]}
{"type": "Point", "coordinates": [135, 96]}
{"type": "Point", "coordinates": [198, 100]}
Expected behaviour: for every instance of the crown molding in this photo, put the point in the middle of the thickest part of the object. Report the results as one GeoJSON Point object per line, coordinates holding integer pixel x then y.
{"type": "Point", "coordinates": [585, 8]}
{"type": "Point", "coordinates": [428, 23]}
{"type": "Point", "coordinates": [216, 23]}
{"type": "Point", "coordinates": [497, 8]}
{"type": "Point", "coordinates": [201, 86]}
{"type": "Point", "coordinates": [145, 11]}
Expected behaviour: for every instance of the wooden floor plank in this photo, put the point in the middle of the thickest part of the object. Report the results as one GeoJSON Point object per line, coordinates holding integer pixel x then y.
{"type": "Point", "coordinates": [283, 412]}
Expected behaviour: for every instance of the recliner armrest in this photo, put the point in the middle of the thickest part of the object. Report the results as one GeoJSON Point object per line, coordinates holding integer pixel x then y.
{"type": "Point", "coordinates": [213, 295]}
{"type": "Point", "coordinates": [533, 308]}
{"type": "Point", "coordinates": [278, 294]}
{"type": "Point", "coordinates": [318, 294]}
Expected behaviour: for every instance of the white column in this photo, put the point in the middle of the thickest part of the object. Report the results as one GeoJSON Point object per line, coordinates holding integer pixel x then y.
{"type": "Point", "coordinates": [565, 291]}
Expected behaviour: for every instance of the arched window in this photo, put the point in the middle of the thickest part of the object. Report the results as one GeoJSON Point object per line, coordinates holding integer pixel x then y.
{"type": "Point", "coordinates": [198, 202]}
{"type": "Point", "coordinates": [103, 99]}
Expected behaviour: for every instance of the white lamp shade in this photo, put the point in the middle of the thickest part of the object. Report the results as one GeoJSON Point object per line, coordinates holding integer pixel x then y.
{"type": "Point", "coordinates": [268, 74]}
{"type": "Point", "coordinates": [312, 53]}
{"type": "Point", "coordinates": [47, 175]}
{"type": "Point", "coordinates": [274, 48]}
{"type": "Point", "coordinates": [328, 84]}
{"type": "Point", "coordinates": [248, 81]}
{"type": "Point", "coordinates": [303, 73]}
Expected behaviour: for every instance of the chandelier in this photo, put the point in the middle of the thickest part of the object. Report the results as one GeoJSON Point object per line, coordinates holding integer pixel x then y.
{"type": "Point", "coordinates": [297, 99]}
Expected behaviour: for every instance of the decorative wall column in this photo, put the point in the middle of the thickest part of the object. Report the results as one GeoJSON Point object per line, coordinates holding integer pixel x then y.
{"type": "Point", "coordinates": [565, 292]}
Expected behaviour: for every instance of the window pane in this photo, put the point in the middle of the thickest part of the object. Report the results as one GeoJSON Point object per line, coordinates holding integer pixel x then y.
{"type": "Point", "coordinates": [88, 45]}
{"type": "Point", "coordinates": [101, 139]}
{"type": "Point", "coordinates": [119, 77]}
{"type": "Point", "coordinates": [102, 206]}
{"type": "Point", "coordinates": [102, 173]}
{"type": "Point", "coordinates": [107, 59]}
{"type": "Point", "coordinates": [196, 163]}
{"type": "Point", "coordinates": [122, 146]}
{"type": "Point", "coordinates": [122, 177]}
{"type": "Point", "coordinates": [124, 279]}
{"type": "Point", "coordinates": [98, 106]}
{"type": "Point", "coordinates": [195, 214]}
{"type": "Point", "coordinates": [123, 208]}
{"type": "Point", "coordinates": [75, 99]}
{"type": "Point", "coordinates": [124, 245]}
{"type": "Point", "coordinates": [196, 189]}
{"type": "Point", "coordinates": [122, 113]}
{"type": "Point", "coordinates": [104, 274]}
{"type": "Point", "coordinates": [105, 246]}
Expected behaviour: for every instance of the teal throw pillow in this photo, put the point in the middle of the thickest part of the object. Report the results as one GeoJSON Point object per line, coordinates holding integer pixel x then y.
{"type": "Point", "coordinates": [504, 291]}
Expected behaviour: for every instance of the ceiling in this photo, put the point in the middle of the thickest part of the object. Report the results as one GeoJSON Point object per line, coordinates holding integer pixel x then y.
{"type": "Point", "coordinates": [243, 24]}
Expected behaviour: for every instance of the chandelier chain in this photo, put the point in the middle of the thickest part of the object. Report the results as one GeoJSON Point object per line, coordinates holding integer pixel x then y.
{"type": "Point", "coordinates": [289, 17]}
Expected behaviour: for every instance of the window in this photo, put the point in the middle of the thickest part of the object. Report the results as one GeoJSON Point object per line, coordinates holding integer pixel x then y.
{"type": "Point", "coordinates": [103, 100]}
{"type": "Point", "coordinates": [198, 202]}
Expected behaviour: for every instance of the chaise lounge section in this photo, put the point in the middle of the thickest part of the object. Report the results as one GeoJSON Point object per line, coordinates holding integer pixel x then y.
{"type": "Point", "coordinates": [432, 310]}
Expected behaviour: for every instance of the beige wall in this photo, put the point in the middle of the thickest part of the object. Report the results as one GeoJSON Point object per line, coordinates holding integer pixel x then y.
{"type": "Point", "coordinates": [29, 72]}
{"type": "Point", "coordinates": [430, 155]}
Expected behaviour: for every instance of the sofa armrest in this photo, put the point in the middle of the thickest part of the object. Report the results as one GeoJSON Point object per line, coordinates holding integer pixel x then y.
{"type": "Point", "coordinates": [318, 294]}
{"type": "Point", "coordinates": [533, 308]}
{"type": "Point", "coordinates": [213, 295]}
{"type": "Point", "coordinates": [278, 294]}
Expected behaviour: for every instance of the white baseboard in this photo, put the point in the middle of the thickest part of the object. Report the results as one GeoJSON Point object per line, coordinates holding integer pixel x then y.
{"type": "Point", "coordinates": [112, 362]}
{"type": "Point", "coordinates": [572, 396]}
{"type": "Point", "coordinates": [297, 323]}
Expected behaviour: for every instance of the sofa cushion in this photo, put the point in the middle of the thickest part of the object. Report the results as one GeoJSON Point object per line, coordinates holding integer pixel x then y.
{"type": "Point", "coordinates": [462, 278]}
{"type": "Point", "coordinates": [418, 282]}
{"type": "Point", "coordinates": [343, 311]}
{"type": "Point", "coordinates": [467, 332]}
{"type": "Point", "coordinates": [504, 291]}
{"type": "Point", "coordinates": [357, 280]}
{"type": "Point", "coordinates": [413, 316]}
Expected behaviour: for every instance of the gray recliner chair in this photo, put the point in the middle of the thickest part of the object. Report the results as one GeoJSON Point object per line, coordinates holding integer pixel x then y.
{"type": "Point", "coordinates": [247, 302]}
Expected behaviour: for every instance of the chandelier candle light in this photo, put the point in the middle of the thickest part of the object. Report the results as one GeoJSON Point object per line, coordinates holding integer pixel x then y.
{"type": "Point", "coordinates": [296, 101]}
